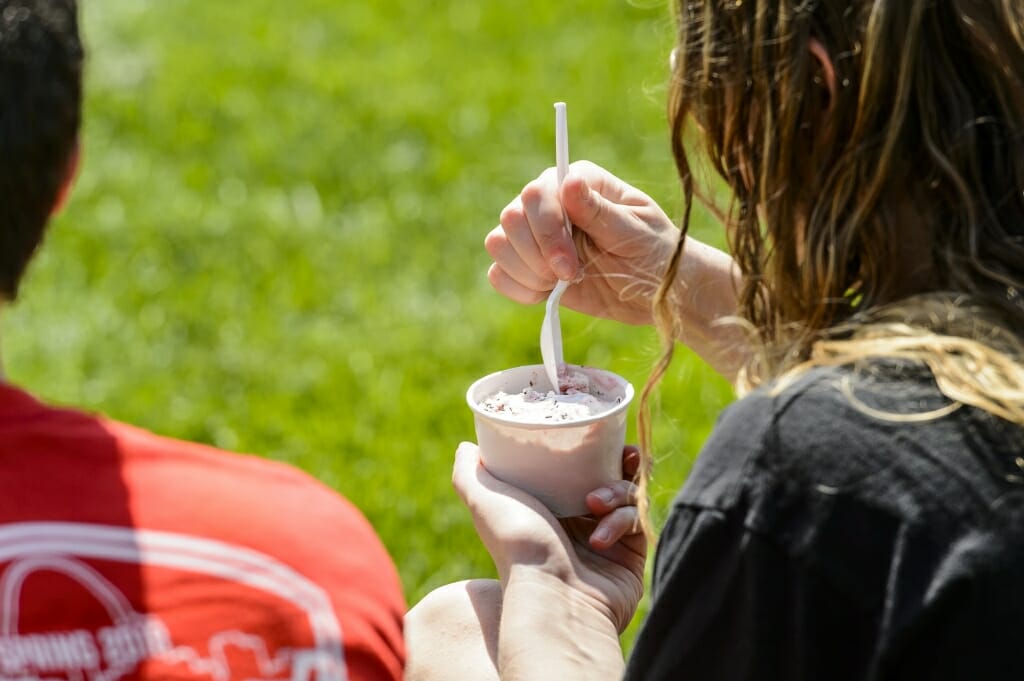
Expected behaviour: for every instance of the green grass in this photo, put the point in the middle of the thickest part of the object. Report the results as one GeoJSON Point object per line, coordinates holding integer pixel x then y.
{"type": "Point", "coordinates": [275, 245]}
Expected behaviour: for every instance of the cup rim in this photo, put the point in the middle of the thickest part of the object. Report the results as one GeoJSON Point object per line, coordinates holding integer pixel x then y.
{"type": "Point", "coordinates": [623, 405]}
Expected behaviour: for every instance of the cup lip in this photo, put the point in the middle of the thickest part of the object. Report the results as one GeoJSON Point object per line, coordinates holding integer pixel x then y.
{"type": "Point", "coordinates": [474, 406]}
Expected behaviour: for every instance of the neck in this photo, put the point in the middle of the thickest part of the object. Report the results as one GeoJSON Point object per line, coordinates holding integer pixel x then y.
{"type": "Point", "coordinates": [916, 271]}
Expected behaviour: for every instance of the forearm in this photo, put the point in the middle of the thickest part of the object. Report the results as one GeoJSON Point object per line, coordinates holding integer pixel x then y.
{"type": "Point", "coordinates": [704, 295]}
{"type": "Point", "coordinates": [550, 631]}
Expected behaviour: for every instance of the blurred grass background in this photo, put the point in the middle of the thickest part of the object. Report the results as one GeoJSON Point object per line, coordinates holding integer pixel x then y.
{"type": "Point", "coordinates": [275, 244]}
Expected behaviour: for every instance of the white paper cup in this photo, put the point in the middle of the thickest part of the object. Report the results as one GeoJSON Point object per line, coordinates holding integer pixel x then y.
{"type": "Point", "coordinates": [557, 462]}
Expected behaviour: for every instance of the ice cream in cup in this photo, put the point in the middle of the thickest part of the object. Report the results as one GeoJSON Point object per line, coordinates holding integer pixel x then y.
{"type": "Point", "coordinates": [556, 445]}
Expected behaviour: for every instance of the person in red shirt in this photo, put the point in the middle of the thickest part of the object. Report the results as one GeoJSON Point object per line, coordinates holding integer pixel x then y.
{"type": "Point", "coordinates": [125, 555]}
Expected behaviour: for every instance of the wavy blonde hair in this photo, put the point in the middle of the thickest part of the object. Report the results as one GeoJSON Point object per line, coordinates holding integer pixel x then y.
{"type": "Point", "coordinates": [876, 210]}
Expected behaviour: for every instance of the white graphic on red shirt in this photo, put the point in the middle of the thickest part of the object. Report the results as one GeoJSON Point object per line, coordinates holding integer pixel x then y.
{"type": "Point", "coordinates": [111, 652]}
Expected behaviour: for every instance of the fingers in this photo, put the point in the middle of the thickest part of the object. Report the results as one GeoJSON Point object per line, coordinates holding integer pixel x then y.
{"type": "Point", "coordinates": [509, 287]}
{"type": "Point", "coordinates": [543, 212]}
{"type": "Point", "coordinates": [520, 262]}
{"type": "Point", "coordinates": [514, 243]}
{"type": "Point", "coordinates": [615, 507]}
{"type": "Point", "coordinates": [531, 246]}
{"type": "Point", "coordinates": [610, 497]}
{"type": "Point", "coordinates": [532, 249]}
{"type": "Point", "coordinates": [621, 522]}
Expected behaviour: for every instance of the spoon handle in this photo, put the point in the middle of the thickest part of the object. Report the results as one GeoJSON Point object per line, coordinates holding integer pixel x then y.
{"type": "Point", "coordinates": [562, 151]}
{"type": "Point", "coordinates": [551, 327]}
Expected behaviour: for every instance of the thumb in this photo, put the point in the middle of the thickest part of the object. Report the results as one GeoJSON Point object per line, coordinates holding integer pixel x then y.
{"type": "Point", "coordinates": [479, 490]}
{"type": "Point", "coordinates": [466, 472]}
{"type": "Point", "coordinates": [605, 221]}
{"type": "Point", "coordinates": [487, 498]}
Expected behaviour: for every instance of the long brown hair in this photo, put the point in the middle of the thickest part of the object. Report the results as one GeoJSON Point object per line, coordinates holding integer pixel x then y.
{"type": "Point", "coordinates": [886, 202]}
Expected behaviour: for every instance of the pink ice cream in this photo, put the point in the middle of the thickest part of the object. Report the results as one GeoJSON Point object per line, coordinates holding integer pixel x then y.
{"type": "Point", "coordinates": [578, 401]}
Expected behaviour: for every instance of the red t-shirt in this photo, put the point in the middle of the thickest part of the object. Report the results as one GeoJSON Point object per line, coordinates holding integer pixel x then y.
{"type": "Point", "coordinates": [124, 555]}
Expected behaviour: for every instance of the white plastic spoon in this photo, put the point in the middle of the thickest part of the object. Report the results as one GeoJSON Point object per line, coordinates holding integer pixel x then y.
{"type": "Point", "coordinates": [551, 327]}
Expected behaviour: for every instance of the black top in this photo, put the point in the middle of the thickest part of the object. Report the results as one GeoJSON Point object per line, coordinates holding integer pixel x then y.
{"type": "Point", "coordinates": [836, 531]}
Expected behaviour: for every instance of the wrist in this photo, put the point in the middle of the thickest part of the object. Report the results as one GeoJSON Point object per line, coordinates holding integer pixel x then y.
{"type": "Point", "coordinates": [705, 284]}
{"type": "Point", "coordinates": [551, 628]}
{"type": "Point", "coordinates": [703, 295]}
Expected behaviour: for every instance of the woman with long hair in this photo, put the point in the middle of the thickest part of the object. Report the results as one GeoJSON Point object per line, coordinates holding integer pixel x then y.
{"type": "Point", "coordinates": [859, 512]}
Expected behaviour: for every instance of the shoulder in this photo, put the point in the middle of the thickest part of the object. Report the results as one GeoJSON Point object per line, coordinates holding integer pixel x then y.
{"type": "Point", "coordinates": [172, 484]}
{"type": "Point", "coordinates": [767, 429]}
{"type": "Point", "coordinates": [280, 512]}
{"type": "Point", "coordinates": [204, 467]}
{"type": "Point", "coordinates": [283, 503]}
{"type": "Point", "coordinates": [876, 445]}
{"type": "Point", "coordinates": [830, 427]}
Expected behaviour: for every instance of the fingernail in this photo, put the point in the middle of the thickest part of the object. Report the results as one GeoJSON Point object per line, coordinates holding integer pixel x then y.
{"type": "Point", "coordinates": [602, 534]}
{"type": "Point", "coordinates": [562, 268]}
{"type": "Point", "coordinates": [605, 495]}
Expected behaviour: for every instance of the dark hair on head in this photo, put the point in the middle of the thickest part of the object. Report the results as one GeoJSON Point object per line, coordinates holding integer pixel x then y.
{"type": "Point", "coordinates": [40, 111]}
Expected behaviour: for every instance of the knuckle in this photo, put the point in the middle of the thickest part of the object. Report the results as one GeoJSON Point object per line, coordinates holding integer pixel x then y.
{"type": "Point", "coordinates": [621, 487]}
{"type": "Point", "coordinates": [496, 276]}
{"type": "Point", "coordinates": [549, 234]}
{"type": "Point", "coordinates": [504, 284]}
{"type": "Point", "coordinates": [533, 194]}
{"type": "Point", "coordinates": [531, 297]}
{"type": "Point", "coordinates": [512, 215]}
{"type": "Point", "coordinates": [625, 492]}
{"type": "Point", "coordinates": [627, 518]}
{"type": "Point", "coordinates": [597, 209]}
{"type": "Point", "coordinates": [525, 296]}
{"type": "Point", "coordinates": [495, 242]}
